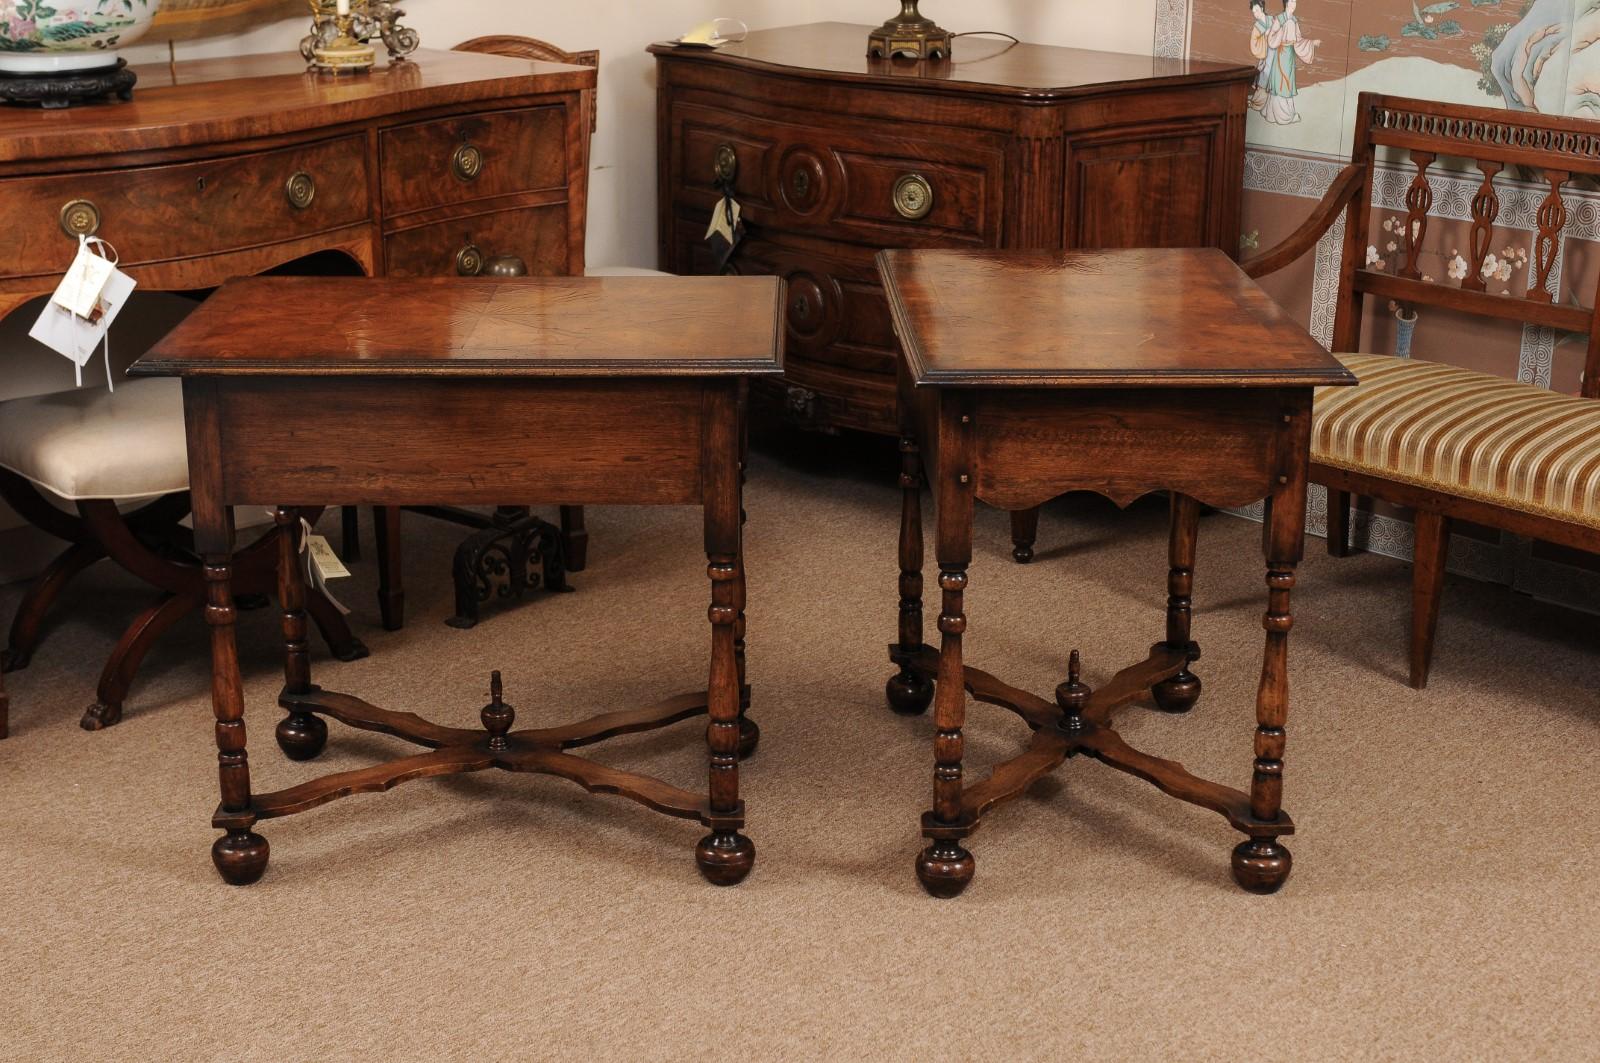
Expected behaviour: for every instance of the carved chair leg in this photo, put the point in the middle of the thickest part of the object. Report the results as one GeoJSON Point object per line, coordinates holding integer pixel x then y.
{"type": "Point", "coordinates": [1427, 588]}
{"type": "Point", "coordinates": [116, 678]}
{"type": "Point", "coordinates": [350, 533]}
{"type": "Point", "coordinates": [335, 629]}
{"type": "Point", "coordinates": [35, 605]}
{"type": "Point", "coordinates": [574, 538]}
{"type": "Point", "coordinates": [391, 583]}
{"type": "Point", "coordinates": [910, 693]}
{"type": "Point", "coordinates": [1339, 523]}
{"type": "Point", "coordinates": [1024, 533]}
{"type": "Point", "coordinates": [240, 855]}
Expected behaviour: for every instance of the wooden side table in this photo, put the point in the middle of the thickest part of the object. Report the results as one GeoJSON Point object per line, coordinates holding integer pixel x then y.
{"type": "Point", "coordinates": [566, 391]}
{"type": "Point", "coordinates": [1027, 375]}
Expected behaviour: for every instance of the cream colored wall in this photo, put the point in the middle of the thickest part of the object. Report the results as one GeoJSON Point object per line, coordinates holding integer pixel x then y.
{"type": "Point", "coordinates": [622, 192]}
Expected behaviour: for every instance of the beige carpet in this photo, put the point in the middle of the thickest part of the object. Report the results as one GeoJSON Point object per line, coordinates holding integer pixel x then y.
{"type": "Point", "coordinates": [1443, 905]}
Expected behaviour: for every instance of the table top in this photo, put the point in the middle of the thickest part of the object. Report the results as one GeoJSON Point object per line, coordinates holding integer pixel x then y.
{"type": "Point", "coordinates": [223, 100]}
{"type": "Point", "coordinates": [983, 65]}
{"type": "Point", "coordinates": [480, 327]}
{"type": "Point", "coordinates": [1076, 319]}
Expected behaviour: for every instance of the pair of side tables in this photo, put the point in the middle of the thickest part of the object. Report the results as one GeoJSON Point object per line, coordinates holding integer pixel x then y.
{"type": "Point", "coordinates": [1023, 377]}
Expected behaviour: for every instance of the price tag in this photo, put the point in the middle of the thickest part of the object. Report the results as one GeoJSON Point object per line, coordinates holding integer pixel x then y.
{"type": "Point", "coordinates": [78, 317]}
{"type": "Point", "coordinates": [328, 564]}
{"type": "Point", "coordinates": [79, 291]}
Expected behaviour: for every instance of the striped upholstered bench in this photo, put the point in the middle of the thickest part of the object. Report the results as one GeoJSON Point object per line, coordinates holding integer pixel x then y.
{"type": "Point", "coordinates": [1448, 442]}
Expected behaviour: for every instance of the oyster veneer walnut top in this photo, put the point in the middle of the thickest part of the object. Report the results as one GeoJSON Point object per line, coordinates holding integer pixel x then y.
{"type": "Point", "coordinates": [1143, 318]}
{"type": "Point", "coordinates": [539, 326]}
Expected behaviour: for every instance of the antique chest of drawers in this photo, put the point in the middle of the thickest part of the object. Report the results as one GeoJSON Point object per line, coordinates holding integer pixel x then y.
{"type": "Point", "coordinates": [834, 156]}
{"type": "Point", "coordinates": [221, 168]}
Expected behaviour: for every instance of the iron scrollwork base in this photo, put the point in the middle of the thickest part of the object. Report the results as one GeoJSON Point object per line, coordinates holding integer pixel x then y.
{"type": "Point", "coordinates": [515, 553]}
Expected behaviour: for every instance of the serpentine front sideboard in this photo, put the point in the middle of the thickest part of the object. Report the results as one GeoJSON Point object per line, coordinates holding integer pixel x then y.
{"type": "Point", "coordinates": [224, 168]}
{"type": "Point", "coordinates": [834, 156]}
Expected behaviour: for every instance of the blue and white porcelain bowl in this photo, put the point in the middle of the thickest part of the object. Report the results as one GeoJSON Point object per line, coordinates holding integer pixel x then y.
{"type": "Point", "coordinates": [42, 37]}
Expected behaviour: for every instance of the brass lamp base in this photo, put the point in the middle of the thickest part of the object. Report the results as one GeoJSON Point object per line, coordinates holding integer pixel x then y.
{"type": "Point", "coordinates": [909, 36]}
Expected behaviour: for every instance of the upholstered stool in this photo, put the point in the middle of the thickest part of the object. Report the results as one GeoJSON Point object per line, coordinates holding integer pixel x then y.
{"type": "Point", "coordinates": [78, 464]}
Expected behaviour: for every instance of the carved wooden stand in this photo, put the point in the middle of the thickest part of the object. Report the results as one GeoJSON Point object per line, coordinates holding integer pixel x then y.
{"type": "Point", "coordinates": [1070, 389]}
{"type": "Point", "coordinates": [606, 391]}
{"type": "Point", "coordinates": [241, 854]}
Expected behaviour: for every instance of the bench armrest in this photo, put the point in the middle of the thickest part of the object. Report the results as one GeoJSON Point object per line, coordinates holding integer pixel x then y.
{"type": "Point", "coordinates": [1340, 195]}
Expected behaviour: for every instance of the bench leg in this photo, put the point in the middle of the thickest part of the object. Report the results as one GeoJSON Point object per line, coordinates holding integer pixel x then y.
{"type": "Point", "coordinates": [1427, 586]}
{"type": "Point", "coordinates": [1338, 523]}
{"type": "Point", "coordinates": [391, 581]}
{"type": "Point", "coordinates": [1024, 533]}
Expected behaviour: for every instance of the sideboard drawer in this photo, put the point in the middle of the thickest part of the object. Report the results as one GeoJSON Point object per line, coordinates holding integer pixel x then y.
{"type": "Point", "coordinates": [220, 205]}
{"type": "Point", "coordinates": [470, 157]}
{"type": "Point", "coordinates": [537, 235]}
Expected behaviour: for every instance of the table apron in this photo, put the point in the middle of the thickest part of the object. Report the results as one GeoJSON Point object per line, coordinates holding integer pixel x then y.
{"type": "Point", "coordinates": [1222, 446]}
{"type": "Point", "coordinates": [415, 441]}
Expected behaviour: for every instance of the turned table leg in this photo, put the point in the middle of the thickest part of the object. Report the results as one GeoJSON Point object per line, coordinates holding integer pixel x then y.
{"type": "Point", "coordinates": [240, 854]}
{"type": "Point", "coordinates": [1261, 864]}
{"type": "Point", "coordinates": [1180, 692]}
{"type": "Point", "coordinates": [301, 735]}
{"type": "Point", "coordinates": [944, 867]}
{"type": "Point", "coordinates": [909, 692]}
{"type": "Point", "coordinates": [724, 856]}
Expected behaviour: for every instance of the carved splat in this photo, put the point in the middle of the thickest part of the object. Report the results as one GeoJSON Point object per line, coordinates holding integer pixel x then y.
{"type": "Point", "coordinates": [1485, 209]}
{"type": "Point", "coordinates": [1419, 200]}
{"type": "Point", "coordinates": [1547, 245]}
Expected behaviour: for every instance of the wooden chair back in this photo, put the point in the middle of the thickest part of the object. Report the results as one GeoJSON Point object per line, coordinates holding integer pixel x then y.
{"type": "Point", "coordinates": [1554, 150]}
{"type": "Point", "coordinates": [532, 48]}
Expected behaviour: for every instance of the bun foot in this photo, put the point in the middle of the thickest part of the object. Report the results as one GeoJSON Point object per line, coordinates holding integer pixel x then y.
{"type": "Point", "coordinates": [945, 869]}
{"type": "Point", "coordinates": [1261, 865]}
{"type": "Point", "coordinates": [909, 693]}
{"type": "Point", "coordinates": [100, 715]}
{"type": "Point", "coordinates": [725, 857]}
{"type": "Point", "coordinates": [240, 856]}
{"type": "Point", "coordinates": [749, 736]}
{"type": "Point", "coordinates": [1178, 693]}
{"type": "Point", "coordinates": [1022, 555]}
{"type": "Point", "coordinates": [302, 736]}
{"type": "Point", "coordinates": [14, 660]}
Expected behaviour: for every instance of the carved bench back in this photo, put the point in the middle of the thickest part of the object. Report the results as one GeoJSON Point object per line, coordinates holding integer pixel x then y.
{"type": "Point", "coordinates": [1553, 151]}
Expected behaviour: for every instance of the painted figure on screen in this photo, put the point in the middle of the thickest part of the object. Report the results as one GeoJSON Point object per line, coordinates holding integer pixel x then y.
{"type": "Point", "coordinates": [1279, 48]}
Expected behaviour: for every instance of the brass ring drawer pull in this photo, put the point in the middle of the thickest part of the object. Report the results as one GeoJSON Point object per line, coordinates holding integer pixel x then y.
{"type": "Point", "coordinates": [300, 190]}
{"type": "Point", "coordinates": [467, 162]}
{"type": "Point", "coordinates": [469, 261]}
{"type": "Point", "coordinates": [726, 164]}
{"type": "Point", "coordinates": [913, 197]}
{"type": "Point", "coordinates": [80, 218]}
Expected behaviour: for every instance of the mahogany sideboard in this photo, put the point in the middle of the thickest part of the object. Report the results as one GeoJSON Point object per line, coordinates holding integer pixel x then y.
{"type": "Point", "coordinates": [834, 156]}
{"type": "Point", "coordinates": [227, 167]}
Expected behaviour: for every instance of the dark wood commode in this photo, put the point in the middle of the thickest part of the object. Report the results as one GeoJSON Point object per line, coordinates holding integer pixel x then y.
{"type": "Point", "coordinates": [834, 156]}
{"type": "Point", "coordinates": [611, 391]}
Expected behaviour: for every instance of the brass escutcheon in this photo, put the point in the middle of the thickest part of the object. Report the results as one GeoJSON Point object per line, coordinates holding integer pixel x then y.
{"type": "Point", "coordinates": [727, 163]}
{"type": "Point", "coordinates": [467, 162]}
{"type": "Point", "coordinates": [300, 190]}
{"type": "Point", "coordinates": [469, 261]}
{"type": "Point", "coordinates": [913, 197]}
{"type": "Point", "coordinates": [80, 218]}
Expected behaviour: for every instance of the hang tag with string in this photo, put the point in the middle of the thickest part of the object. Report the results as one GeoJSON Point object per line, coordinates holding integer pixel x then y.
{"type": "Point", "coordinates": [322, 564]}
{"type": "Point", "coordinates": [78, 317]}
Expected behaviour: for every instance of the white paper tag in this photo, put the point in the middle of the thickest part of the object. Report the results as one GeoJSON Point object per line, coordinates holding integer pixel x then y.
{"type": "Point", "coordinates": [720, 222]}
{"type": "Point", "coordinates": [322, 556]}
{"type": "Point", "coordinates": [75, 337]}
{"type": "Point", "coordinates": [79, 291]}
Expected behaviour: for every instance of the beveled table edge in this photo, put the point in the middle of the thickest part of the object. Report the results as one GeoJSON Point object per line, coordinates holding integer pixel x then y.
{"type": "Point", "coordinates": [922, 376]}
{"type": "Point", "coordinates": [151, 364]}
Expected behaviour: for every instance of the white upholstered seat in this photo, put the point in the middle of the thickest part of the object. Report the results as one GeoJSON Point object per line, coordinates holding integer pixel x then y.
{"type": "Point", "coordinates": [92, 443]}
